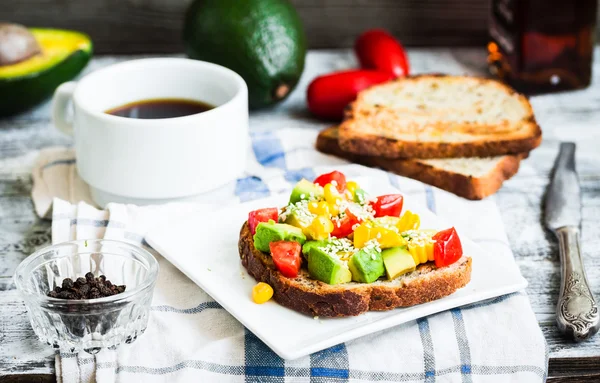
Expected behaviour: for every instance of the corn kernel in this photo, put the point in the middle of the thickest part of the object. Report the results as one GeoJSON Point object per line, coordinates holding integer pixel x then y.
{"type": "Point", "coordinates": [261, 293]}
{"type": "Point", "coordinates": [362, 235]}
{"type": "Point", "coordinates": [389, 238]}
{"type": "Point", "coordinates": [409, 221]}
{"type": "Point", "coordinates": [385, 237]}
{"type": "Point", "coordinates": [421, 252]}
{"type": "Point", "coordinates": [413, 251]}
{"type": "Point", "coordinates": [387, 221]}
{"type": "Point", "coordinates": [331, 194]}
{"type": "Point", "coordinates": [351, 186]}
{"type": "Point", "coordinates": [429, 250]}
{"type": "Point", "coordinates": [320, 228]}
{"type": "Point", "coordinates": [319, 208]}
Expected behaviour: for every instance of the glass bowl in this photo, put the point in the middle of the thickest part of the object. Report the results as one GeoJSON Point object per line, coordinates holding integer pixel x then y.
{"type": "Point", "coordinates": [88, 324]}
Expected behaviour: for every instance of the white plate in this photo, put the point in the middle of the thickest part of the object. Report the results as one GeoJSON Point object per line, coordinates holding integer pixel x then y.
{"type": "Point", "coordinates": [204, 247]}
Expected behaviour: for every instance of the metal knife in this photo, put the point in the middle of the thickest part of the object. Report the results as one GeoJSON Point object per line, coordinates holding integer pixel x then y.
{"type": "Point", "coordinates": [577, 310]}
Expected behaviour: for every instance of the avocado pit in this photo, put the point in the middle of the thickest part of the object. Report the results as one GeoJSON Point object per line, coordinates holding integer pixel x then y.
{"type": "Point", "coordinates": [17, 44]}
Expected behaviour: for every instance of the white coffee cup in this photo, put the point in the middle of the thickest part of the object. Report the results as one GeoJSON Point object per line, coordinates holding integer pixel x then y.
{"type": "Point", "coordinates": [146, 161]}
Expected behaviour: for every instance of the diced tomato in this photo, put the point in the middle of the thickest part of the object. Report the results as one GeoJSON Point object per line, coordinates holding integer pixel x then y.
{"type": "Point", "coordinates": [286, 255]}
{"type": "Point", "coordinates": [447, 248]}
{"type": "Point", "coordinates": [338, 177]}
{"type": "Point", "coordinates": [343, 227]}
{"type": "Point", "coordinates": [261, 215]}
{"type": "Point", "coordinates": [388, 205]}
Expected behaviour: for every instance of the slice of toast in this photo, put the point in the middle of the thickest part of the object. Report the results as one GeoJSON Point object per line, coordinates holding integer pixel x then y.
{"type": "Point", "coordinates": [439, 116]}
{"type": "Point", "coordinates": [471, 178]}
{"type": "Point", "coordinates": [315, 298]}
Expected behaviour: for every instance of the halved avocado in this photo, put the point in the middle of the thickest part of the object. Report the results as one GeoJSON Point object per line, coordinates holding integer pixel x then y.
{"type": "Point", "coordinates": [26, 83]}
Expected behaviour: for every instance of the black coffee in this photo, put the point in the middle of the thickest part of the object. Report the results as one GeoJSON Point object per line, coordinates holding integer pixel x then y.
{"type": "Point", "coordinates": [160, 108]}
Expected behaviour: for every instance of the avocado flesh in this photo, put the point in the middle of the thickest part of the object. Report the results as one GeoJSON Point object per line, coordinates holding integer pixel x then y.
{"type": "Point", "coordinates": [305, 189]}
{"type": "Point", "coordinates": [311, 244]}
{"type": "Point", "coordinates": [294, 220]}
{"type": "Point", "coordinates": [366, 266]}
{"type": "Point", "coordinates": [360, 196]}
{"type": "Point", "coordinates": [267, 232]}
{"type": "Point", "coordinates": [327, 268]}
{"type": "Point", "coordinates": [397, 261]}
{"type": "Point", "coordinates": [27, 83]}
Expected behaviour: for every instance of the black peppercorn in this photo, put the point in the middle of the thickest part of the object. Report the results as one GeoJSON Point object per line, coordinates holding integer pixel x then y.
{"type": "Point", "coordinates": [67, 283]}
{"type": "Point", "coordinates": [89, 287]}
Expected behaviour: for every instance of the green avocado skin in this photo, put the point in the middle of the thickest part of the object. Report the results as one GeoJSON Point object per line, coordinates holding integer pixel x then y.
{"type": "Point", "coordinates": [262, 40]}
{"type": "Point", "coordinates": [22, 93]}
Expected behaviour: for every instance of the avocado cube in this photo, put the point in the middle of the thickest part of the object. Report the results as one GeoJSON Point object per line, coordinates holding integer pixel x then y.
{"type": "Point", "coordinates": [327, 268]}
{"type": "Point", "coordinates": [297, 219]}
{"type": "Point", "coordinates": [366, 265]}
{"type": "Point", "coordinates": [397, 261]}
{"type": "Point", "coordinates": [267, 232]}
{"type": "Point", "coordinates": [360, 196]}
{"type": "Point", "coordinates": [305, 189]}
{"type": "Point", "coordinates": [310, 244]}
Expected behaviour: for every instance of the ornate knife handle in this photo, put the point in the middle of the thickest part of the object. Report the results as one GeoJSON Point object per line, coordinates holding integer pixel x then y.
{"type": "Point", "coordinates": [577, 310]}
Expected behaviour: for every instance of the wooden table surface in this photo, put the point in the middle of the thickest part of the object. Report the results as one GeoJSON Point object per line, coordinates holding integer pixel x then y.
{"type": "Point", "coordinates": [573, 116]}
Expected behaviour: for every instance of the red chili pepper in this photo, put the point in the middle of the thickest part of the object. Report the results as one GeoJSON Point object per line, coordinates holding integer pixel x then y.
{"type": "Point", "coordinates": [377, 49]}
{"type": "Point", "coordinates": [329, 95]}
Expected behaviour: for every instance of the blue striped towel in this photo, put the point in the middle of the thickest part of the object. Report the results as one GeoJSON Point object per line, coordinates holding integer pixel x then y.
{"type": "Point", "coordinates": [191, 338]}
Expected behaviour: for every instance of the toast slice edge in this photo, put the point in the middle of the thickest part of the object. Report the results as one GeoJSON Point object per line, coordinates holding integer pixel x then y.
{"type": "Point", "coordinates": [355, 136]}
{"type": "Point", "coordinates": [466, 186]}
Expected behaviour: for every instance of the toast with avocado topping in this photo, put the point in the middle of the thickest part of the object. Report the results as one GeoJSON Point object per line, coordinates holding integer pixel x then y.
{"type": "Point", "coordinates": [439, 116]}
{"type": "Point", "coordinates": [335, 251]}
{"type": "Point", "coordinates": [313, 297]}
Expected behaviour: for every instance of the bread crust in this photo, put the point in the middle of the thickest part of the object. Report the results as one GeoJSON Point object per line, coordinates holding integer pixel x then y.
{"type": "Point", "coordinates": [315, 298]}
{"type": "Point", "coordinates": [469, 187]}
{"type": "Point", "coordinates": [354, 137]}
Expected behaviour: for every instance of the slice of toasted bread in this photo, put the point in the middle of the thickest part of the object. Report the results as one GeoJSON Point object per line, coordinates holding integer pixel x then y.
{"type": "Point", "coordinates": [316, 298]}
{"type": "Point", "coordinates": [472, 178]}
{"type": "Point", "coordinates": [439, 116]}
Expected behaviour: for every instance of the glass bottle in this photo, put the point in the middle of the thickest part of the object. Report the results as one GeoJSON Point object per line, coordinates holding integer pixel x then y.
{"type": "Point", "coordinates": [541, 46]}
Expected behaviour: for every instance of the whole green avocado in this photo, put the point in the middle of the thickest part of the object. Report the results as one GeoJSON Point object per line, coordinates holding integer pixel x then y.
{"type": "Point", "coordinates": [262, 40]}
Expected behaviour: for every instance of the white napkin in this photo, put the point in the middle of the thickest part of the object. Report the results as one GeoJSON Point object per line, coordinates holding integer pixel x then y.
{"type": "Point", "coordinates": [190, 338]}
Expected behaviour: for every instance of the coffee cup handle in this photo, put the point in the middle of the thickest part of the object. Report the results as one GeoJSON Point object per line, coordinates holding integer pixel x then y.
{"type": "Point", "coordinates": [60, 101]}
